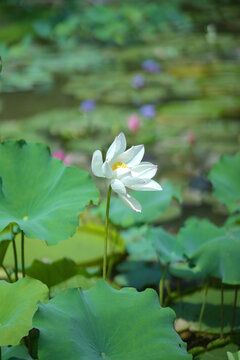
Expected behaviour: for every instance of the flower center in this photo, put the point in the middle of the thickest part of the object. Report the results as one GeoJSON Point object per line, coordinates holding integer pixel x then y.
{"type": "Point", "coordinates": [118, 165]}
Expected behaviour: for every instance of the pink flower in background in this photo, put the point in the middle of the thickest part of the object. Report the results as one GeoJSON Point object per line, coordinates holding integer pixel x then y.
{"type": "Point", "coordinates": [191, 138]}
{"type": "Point", "coordinates": [133, 123]}
{"type": "Point", "coordinates": [60, 154]}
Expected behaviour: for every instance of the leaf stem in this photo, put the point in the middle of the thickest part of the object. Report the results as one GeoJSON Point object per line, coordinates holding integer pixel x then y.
{"type": "Point", "coordinates": [106, 233]}
{"type": "Point", "coordinates": [204, 302]}
{"type": "Point", "coordinates": [22, 253]}
{"type": "Point", "coordinates": [222, 311]}
{"type": "Point", "coordinates": [15, 258]}
{"type": "Point", "coordinates": [0, 353]}
{"type": "Point", "coordinates": [234, 308]}
{"type": "Point", "coordinates": [161, 284]}
{"type": "Point", "coordinates": [6, 272]}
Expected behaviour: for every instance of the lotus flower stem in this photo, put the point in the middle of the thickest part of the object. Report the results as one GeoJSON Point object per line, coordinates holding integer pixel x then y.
{"type": "Point", "coordinates": [6, 272]}
{"type": "Point", "coordinates": [222, 311]}
{"type": "Point", "coordinates": [234, 308]}
{"type": "Point", "coordinates": [161, 284]}
{"type": "Point", "coordinates": [22, 253]}
{"type": "Point", "coordinates": [203, 303]}
{"type": "Point", "coordinates": [106, 233]}
{"type": "Point", "coordinates": [14, 253]}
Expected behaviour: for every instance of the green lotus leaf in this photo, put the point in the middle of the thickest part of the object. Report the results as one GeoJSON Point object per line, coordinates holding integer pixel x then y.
{"type": "Point", "coordinates": [166, 245]}
{"type": "Point", "coordinates": [219, 257]}
{"type": "Point", "coordinates": [40, 193]}
{"type": "Point", "coordinates": [235, 356]}
{"type": "Point", "coordinates": [104, 323]}
{"type": "Point", "coordinates": [138, 245]}
{"type": "Point", "coordinates": [189, 308]}
{"type": "Point", "coordinates": [154, 204]}
{"type": "Point", "coordinates": [195, 233]}
{"type": "Point", "coordinates": [179, 251]}
{"type": "Point", "coordinates": [18, 305]}
{"type": "Point", "coordinates": [18, 352]}
{"type": "Point", "coordinates": [53, 273]}
{"type": "Point", "coordinates": [84, 248]}
{"type": "Point", "coordinates": [224, 176]}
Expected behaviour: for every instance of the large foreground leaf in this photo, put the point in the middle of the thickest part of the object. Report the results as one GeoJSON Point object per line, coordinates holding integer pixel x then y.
{"type": "Point", "coordinates": [103, 323]}
{"type": "Point", "coordinates": [40, 193]}
{"type": "Point", "coordinates": [225, 176]}
{"type": "Point", "coordinates": [18, 305]}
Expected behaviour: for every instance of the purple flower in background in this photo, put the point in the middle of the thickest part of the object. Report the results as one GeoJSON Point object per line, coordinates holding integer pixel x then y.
{"type": "Point", "coordinates": [88, 105]}
{"type": "Point", "coordinates": [148, 111]}
{"type": "Point", "coordinates": [151, 66]}
{"type": "Point", "coordinates": [138, 81]}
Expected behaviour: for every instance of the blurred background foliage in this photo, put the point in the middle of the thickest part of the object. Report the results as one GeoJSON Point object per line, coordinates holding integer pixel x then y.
{"type": "Point", "coordinates": [76, 73]}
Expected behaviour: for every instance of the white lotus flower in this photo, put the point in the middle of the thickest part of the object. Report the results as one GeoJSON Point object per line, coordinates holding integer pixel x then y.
{"type": "Point", "coordinates": [125, 169]}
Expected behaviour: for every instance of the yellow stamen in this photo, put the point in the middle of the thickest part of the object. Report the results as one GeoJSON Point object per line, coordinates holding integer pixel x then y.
{"type": "Point", "coordinates": [118, 165]}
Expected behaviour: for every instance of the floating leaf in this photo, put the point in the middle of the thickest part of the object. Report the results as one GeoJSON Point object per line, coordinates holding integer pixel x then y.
{"type": "Point", "coordinates": [18, 305]}
{"type": "Point", "coordinates": [217, 354]}
{"type": "Point", "coordinates": [225, 175]}
{"type": "Point", "coordinates": [84, 248]}
{"type": "Point", "coordinates": [53, 273]}
{"type": "Point", "coordinates": [106, 323]}
{"type": "Point", "coordinates": [138, 274]}
{"type": "Point", "coordinates": [40, 193]}
{"type": "Point", "coordinates": [189, 307]}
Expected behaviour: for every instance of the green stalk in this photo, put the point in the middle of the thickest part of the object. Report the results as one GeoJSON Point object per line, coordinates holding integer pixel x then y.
{"type": "Point", "coordinates": [0, 353]}
{"type": "Point", "coordinates": [22, 253]}
{"type": "Point", "coordinates": [15, 259]}
{"type": "Point", "coordinates": [106, 233]}
{"type": "Point", "coordinates": [6, 272]}
{"type": "Point", "coordinates": [161, 284]}
{"type": "Point", "coordinates": [14, 253]}
{"type": "Point", "coordinates": [234, 308]}
{"type": "Point", "coordinates": [222, 311]}
{"type": "Point", "coordinates": [204, 303]}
